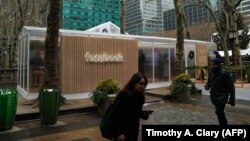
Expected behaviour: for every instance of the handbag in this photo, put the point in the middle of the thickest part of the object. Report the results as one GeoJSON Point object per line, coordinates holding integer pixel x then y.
{"type": "Point", "coordinates": [105, 125]}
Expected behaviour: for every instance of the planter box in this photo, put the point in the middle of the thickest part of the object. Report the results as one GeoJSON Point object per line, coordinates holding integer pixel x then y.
{"type": "Point", "coordinates": [184, 96]}
{"type": "Point", "coordinates": [104, 107]}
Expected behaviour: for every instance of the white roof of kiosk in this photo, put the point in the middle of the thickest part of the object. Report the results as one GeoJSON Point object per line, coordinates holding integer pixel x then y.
{"type": "Point", "coordinates": [242, 52]}
{"type": "Point", "coordinates": [39, 32]}
{"type": "Point", "coordinates": [107, 27]}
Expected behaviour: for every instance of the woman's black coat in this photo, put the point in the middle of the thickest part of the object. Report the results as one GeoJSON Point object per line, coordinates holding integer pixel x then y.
{"type": "Point", "coordinates": [128, 111]}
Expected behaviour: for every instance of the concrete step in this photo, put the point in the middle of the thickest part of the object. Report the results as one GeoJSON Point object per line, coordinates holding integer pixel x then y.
{"type": "Point", "coordinates": [162, 93]}
{"type": "Point", "coordinates": [66, 112]}
{"type": "Point", "coordinates": [29, 109]}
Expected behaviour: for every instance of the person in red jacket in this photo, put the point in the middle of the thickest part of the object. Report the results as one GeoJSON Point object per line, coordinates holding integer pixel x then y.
{"type": "Point", "coordinates": [128, 109]}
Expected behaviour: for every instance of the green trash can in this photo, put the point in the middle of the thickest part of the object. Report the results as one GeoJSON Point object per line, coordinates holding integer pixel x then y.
{"type": "Point", "coordinates": [49, 100]}
{"type": "Point", "coordinates": [8, 106]}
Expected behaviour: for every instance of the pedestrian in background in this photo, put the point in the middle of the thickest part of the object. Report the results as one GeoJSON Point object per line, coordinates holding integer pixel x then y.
{"type": "Point", "coordinates": [128, 109]}
{"type": "Point", "coordinates": [141, 61]}
{"type": "Point", "coordinates": [37, 67]}
{"type": "Point", "coordinates": [222, 90]}
{"type": "Point", "coordinates": [218, 56]}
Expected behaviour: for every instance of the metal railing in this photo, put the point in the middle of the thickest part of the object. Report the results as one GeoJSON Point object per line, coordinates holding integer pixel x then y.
{"type": "Point", "coordinates": [8, 75]}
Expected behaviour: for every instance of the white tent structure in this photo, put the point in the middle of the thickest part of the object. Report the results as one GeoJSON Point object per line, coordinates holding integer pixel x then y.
{"type": "Point", "coordinates": [243, 52]}
{"type": "Point", "coordinates": [107, 27]}
{"type": "Point", "coordinates": [159, 53]}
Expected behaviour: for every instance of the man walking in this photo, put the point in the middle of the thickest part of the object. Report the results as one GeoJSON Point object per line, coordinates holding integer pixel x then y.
{"type": "Point", "coordinates": [222, 90]}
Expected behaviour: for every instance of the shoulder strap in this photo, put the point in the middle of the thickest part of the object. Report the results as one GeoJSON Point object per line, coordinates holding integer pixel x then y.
{"type": "Point", "coordinates": [108, 113]}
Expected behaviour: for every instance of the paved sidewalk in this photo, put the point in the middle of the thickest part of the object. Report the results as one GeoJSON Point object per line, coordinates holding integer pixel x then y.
{"type": "Point", "coordinates": [240, 92]}
{"type": "Point", "coordinates": [85, 127]}
{"type": "Point", "coordinates": [198, 110]}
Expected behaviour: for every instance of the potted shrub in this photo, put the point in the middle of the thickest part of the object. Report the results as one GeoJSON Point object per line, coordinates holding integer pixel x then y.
{"type": "Point", "coordinates": [182, 86]}
{"type": "Point", "coordinates": [104, 94]}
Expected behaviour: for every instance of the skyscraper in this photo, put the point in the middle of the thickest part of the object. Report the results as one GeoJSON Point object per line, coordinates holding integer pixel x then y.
{"type": "Point", "coordinates": [145, 16]}
{"type": "Point", "coordinates": [194, 13]}
{"type": "Point", "coordinates": [244, 9]}
{"type": "Point", "coordinates": [85, 14]}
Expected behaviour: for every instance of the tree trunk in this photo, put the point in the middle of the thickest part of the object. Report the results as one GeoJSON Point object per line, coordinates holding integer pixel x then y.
{"type": "Point", "coordinates": [123, 13]}
{"type": "Point", "coordinates": [225, 49]}
{"type": "Point", "coordinates": [51, 42]}
{"type": "Point", "coordinates": [188, 36]}
{"type": "Point", "coordinates": [21, 16]}
{"type": "Point", "coordinates": [180, 37]}
{"type": "Point", "coordinates": [233, 25]}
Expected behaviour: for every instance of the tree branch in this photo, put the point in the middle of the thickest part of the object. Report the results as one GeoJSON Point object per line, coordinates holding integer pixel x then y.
{"type": "Point", "coordinates": [237, 3]}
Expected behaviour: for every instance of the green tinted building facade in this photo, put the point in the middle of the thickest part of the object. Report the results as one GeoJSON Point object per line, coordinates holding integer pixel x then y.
{"type": "Point", "coordinates": [85, 14]}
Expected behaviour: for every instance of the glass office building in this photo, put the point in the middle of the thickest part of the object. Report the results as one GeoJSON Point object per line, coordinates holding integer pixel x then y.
{"type": "Point", "coordinates": [145, 16]}
{"type": "Point", "coordinates": [85, 14]}
{"type": "Point", "coordinates": [244, 8]}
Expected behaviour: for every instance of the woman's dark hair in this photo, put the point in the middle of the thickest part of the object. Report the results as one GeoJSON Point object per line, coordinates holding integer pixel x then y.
{"type": "Point", "coordinates": [135, 79]}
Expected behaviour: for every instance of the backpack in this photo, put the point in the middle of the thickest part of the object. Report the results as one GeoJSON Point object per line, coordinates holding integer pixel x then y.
{"type": "Point", "coordinates": [105, 125]}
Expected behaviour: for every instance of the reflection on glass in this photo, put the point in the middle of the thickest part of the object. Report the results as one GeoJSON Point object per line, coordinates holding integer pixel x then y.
{"type": "Point", "coordinates": [141, 61]}
{"type": "Point", "coordinates": [36, 62]}
{"type": "Point", "coordinates": [161, 64]}
{"type": "Point", "coordinates": [166, 66]}
{"type": "Point", "coordinates": [155, 64]}
{"type": "Point", "coordinates": [172, 62]}
{"type": "Point", "coordinates": [146, 67]}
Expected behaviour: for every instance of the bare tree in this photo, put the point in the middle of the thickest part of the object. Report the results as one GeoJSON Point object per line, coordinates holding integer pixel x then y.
{"type": "Point", "coordinates": [7, 28]}
{"type": "Point", "coordinates": [14, 14]}
{"type": "Point", "coordinates": [21, 15]}
{"type": "Point", "coordinates": [32, 12]}
{"type": "Point", "coordinates": [228, 9]}
{"type": "Point", "coordinates": [188, 35]}
{"type": "Point", "coordinates": [222, 34]}
{"type": "Point", "coordinates": [51, 42]}
{"type": "Point", "coordinates": [123, 13]}
{"type": "Point", "coordinates": [232, 4]}
{"type": "Point", "coordinates": [199, 31]}
{"type": "Point", "coordinates": [179, 13]}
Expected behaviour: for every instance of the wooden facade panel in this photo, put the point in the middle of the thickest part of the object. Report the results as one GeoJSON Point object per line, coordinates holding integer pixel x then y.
{"type": "Point", "coordinates": [201, 55]}
{"type": "Point", "coordinates": [78, 74]}
{"type": "Point", "coordinates": [201, 58]}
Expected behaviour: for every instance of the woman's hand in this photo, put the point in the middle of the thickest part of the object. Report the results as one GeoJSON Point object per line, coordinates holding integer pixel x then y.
{"type": "Point", "coordinates": [148, 112]}
{"type": "Point", "coordinates": [121, 138]}
{"type": "Point", "coordinates": [206, 87]}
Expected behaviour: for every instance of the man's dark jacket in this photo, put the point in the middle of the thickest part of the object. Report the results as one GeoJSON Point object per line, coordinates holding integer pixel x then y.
{"type": "Point", "coordinates": [221, 84]}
